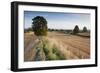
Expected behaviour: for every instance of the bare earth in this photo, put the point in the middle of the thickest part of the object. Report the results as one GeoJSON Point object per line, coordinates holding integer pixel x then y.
{"type": "Point", "coordinates": [73, 47]}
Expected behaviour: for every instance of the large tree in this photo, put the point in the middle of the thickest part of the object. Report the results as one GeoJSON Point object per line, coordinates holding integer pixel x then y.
{"type": "Point", "coordinates": [39, 26]}
{"type": "Point", "coordinates": [85, 29]}
{"type": "Point", "coordinates": [76, 30]}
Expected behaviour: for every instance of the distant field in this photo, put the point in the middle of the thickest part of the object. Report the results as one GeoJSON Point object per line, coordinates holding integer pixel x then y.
{"type": "Point", "coordinates": [84, 34]}
{"type": "Point", "coordinates": [73, 47]}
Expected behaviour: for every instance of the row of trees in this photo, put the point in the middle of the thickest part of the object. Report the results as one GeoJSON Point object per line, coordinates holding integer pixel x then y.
{"type": "Point", "coordinates": [39, 26]}
{"type": "Point", "coordinates": [76, 29]}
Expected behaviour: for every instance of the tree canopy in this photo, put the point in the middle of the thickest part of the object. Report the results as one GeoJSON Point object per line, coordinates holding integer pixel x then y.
{"type": "Point", "coordinates": [85, 29]}
{"type": "Point", "coordinates": [39, 26]}
{"type": "Point", "coordinates": [76, 30]}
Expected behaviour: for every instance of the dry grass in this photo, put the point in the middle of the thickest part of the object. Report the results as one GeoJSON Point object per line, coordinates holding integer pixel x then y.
{"type": "Point", "coordinates": [71, 46]}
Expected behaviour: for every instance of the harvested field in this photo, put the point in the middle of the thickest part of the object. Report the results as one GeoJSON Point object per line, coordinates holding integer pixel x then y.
{"type": "Point", "coordinates": [71, 46]}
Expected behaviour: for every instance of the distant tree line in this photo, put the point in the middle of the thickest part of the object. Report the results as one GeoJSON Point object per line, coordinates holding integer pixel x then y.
{"type": "Point", "coordinates": [61, 30]}
{"type": "Point", "coordinates": [39, 26]}
{"type": "Point", "coordinates": [28, 29]}
{"type": "Point", "coordinates": [74, 31]}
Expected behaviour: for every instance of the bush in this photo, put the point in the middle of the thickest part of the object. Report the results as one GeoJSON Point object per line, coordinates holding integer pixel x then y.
{"type": "Point", "coordinates": [46, 50]}
{"type": "Point", "coordinates": [61, 56]}
{"type": "Point", "coordinates": [54, 49]}
{"type": "Point", "coordinates": [52, 52]}
{"type": "Point", "coordinates": [52, 56]}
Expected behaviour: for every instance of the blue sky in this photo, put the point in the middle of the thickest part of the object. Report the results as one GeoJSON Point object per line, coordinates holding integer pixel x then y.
{"type": "Point", "coordinates": [58, 20]}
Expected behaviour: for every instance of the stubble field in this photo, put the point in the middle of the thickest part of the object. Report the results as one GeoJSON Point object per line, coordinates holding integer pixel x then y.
{"type": "Point", "coordinates": [71, 46]}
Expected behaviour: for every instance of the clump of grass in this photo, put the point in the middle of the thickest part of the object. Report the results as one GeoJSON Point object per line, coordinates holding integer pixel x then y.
{"type": "Point", "coordinates": [58, 53]}
{"type": "Point", "coordinates": [54, 50]}
{"type": "Point", "coordinates": [46, 51]}
{"type": "Point", "coordinates": [46, 47]}
{"type": "Point", "coordinates": [52, 53]}
{"type": "Point", "coordinates": [61, 56]}
{"type": "Point", "coordinates": [52, 56]}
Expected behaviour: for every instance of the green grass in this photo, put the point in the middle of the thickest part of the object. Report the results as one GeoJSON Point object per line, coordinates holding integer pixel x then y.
{"type": "Point", "coordinates": [52, 56]}
{"type": "Point", "coordinates": [58, 53]}
{"type": "Point", "coordinates": [52, 53]}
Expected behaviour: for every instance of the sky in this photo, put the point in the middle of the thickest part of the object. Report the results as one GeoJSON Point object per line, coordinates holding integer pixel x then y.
{"type": "Point", "coordinates": [59, 20]}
